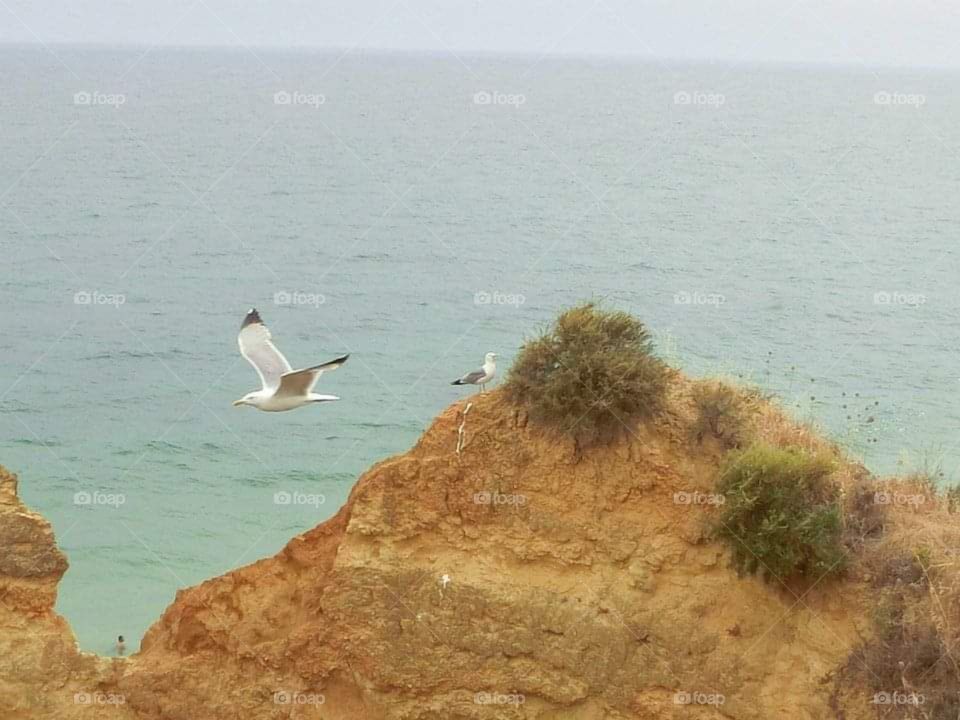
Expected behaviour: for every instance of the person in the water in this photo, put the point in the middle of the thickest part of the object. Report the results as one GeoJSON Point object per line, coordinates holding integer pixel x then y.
{"type": "Point", "coordinates": [121, 645]}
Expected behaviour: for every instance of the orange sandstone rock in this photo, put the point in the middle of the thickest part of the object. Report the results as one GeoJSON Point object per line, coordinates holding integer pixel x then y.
{"type": "Point", "coordinates": [516, 579]}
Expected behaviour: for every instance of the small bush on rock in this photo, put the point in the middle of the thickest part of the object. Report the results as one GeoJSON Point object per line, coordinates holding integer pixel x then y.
{"type": "Point", "coordinates": [781, 512]}
{"type": "Point", "coordinates": [592, 375]}
{"type": "Point", "coordinates": [720, 413]}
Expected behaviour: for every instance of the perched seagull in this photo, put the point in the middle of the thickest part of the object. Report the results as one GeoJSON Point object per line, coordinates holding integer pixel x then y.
{"type": "Point", "coordinates": [482, 376]}
{"type": "Point", "coordinates": [283, 388]}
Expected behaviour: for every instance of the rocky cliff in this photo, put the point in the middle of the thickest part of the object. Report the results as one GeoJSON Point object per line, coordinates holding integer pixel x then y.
{"type": "Point", "coordinates": [41, 672]}
{"type": "Point", "coordinates": [490, 572]}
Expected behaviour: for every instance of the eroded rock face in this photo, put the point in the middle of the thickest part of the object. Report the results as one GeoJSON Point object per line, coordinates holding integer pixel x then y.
{"type": "Point", "coordinates": [514, 579]}
{"type": "Point", "coordinates": [31, 564]}
{"type": "Point", "coordinates": [42, 674]}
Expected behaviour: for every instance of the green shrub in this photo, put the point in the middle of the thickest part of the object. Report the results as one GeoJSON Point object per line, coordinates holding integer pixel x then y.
{"type": "Point", "coordinates": [592, 375]}
{"type": "Point", "coordinates": [781, 514]}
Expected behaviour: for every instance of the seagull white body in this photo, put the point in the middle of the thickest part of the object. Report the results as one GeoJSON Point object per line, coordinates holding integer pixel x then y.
{"type": "Point", "coordinates": [283, 388]}
{"type": "Point", "coordinates": [482, 376]}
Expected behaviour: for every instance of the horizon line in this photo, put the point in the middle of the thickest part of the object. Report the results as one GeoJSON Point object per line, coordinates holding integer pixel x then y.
{"type": "Point", "coordinates": [481, 53]}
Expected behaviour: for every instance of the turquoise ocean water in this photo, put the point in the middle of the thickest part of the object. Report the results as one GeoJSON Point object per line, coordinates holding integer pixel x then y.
{"type": "Point", "coordinates": [797, 226]}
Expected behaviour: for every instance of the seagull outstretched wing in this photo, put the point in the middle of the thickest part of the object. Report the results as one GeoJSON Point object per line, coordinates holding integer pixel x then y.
{"type": "Point", "coordinates": [257, 348]}
{"type": "Point", "coordinates": [301, 382]}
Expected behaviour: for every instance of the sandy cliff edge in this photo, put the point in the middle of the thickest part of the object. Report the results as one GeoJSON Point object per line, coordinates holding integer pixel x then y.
{"type": "Point", "coordinates": [578, 588]}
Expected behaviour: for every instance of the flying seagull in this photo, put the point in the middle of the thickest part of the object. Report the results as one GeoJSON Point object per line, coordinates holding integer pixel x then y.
{"type": "Point", "coordinates": [283, 388]}
{"type": "Point", "coordinates": [482, 376]}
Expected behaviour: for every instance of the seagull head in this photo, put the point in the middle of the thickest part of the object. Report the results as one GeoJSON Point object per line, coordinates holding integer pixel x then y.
{"type": "Point", "coordinates": [490, 357]}
{"type": "Point", "coordinates": [247, 399]}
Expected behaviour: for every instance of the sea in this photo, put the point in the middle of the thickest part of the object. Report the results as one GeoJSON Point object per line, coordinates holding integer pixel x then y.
{"type": "Point", "coordinates": [795, 227]}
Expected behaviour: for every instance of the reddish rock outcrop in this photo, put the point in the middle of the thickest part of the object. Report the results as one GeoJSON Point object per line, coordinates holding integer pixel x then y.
{"type": "Point", "coordinates": [42, 674]}
{"type": "Point", "coordinates": [514, 579]}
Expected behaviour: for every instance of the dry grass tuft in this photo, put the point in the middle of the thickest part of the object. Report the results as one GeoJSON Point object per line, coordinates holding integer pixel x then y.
{"type": "Point", "coordinates": [915, 565]}
{"type": "Point", "coordinates": [722, 411]}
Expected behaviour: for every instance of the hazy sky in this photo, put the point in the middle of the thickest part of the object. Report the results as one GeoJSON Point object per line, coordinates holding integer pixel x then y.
{"type": "Point", "coordinates": [886, 32]}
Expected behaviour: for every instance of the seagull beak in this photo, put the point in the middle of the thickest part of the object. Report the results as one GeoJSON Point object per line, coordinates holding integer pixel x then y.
{"type": "Point", "coordinates": [237, 403]}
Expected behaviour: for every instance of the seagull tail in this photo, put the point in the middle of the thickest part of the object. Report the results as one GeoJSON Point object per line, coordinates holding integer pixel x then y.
{"type": "Point", "coordinates": [314, 397]}
{"type": "Point", "coordinates": [457, 382]}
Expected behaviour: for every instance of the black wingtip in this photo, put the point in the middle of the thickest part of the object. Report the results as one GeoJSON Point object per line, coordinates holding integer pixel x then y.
{"type": "Point", "coordinates": [332, 365]}
{"type": "Point", "coordinates": [457, 382]}
{"type": "Point", "coordinates": [252, 318]}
